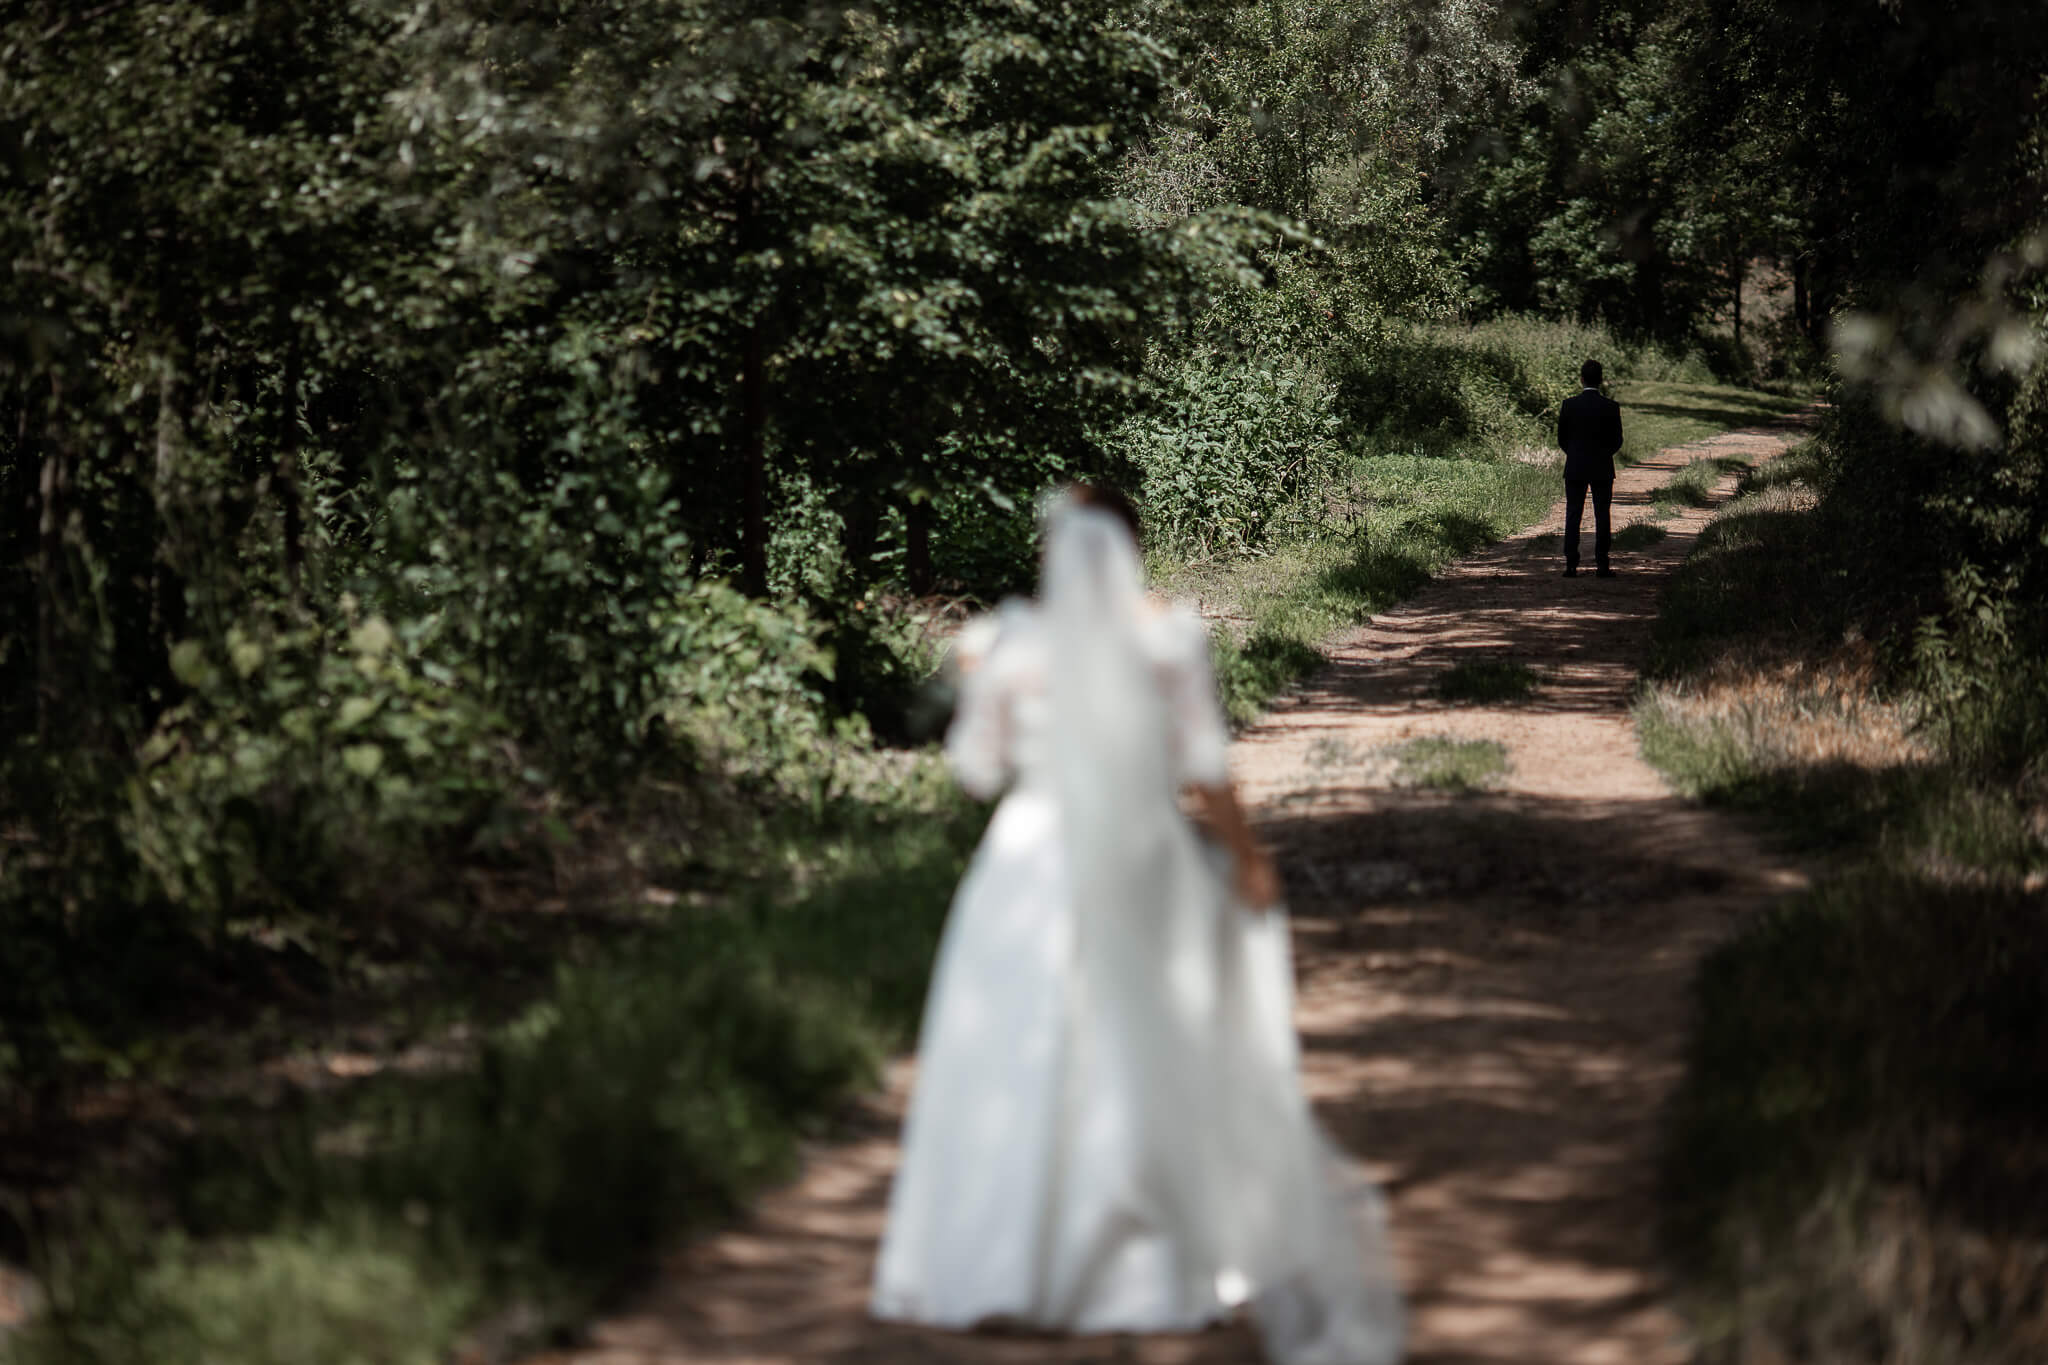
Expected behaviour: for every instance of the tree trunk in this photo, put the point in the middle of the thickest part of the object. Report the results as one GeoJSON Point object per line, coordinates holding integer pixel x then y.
{"type": "Point", "coordinates": [1801, 310]}
{"type": "Point", "coordinates": [50, 557]}
{"type": "Point", "coordinates": [163, 582]}
{"type": "Point", "coordinates": [753, 388]}
{"type": "Point", "coordinates": [754, 468]}
{"type": "Point", "coordinates": [917, 547]}
{"type": "Point", "coordinates": [1739, 275]}
{"type": "Point", "coordinates": [284, 474]}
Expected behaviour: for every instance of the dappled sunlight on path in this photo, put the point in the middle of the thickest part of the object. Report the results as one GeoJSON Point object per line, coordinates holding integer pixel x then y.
{"type": "Point", "coordinates": [1492, 996]}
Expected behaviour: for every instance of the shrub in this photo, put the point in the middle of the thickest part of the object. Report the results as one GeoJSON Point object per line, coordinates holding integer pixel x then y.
{"type": "Point", "coordinates": [1225, 447]}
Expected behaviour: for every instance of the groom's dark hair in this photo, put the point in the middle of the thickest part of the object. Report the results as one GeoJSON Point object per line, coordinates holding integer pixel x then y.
{"type": "Point", "coordinates": [1589, 374]}
{"type": "Point", "coordinates": [1112, 500]}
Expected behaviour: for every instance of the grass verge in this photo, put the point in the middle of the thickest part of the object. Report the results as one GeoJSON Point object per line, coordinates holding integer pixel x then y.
{"type": "Point", "coordinates": [1659, 414]}
{"type": "Point", "coordinates": [481, 1205]}
{"type": "Point", "coordinates": [1854, 1167]}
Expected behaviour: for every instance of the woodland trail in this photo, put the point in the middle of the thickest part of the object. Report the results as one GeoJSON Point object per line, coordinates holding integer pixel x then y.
{"type": "Point", "coordinates": [1493, 993]}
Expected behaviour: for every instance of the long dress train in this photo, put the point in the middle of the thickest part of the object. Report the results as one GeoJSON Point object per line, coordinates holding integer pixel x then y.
{"type": "Point", "coordinates": [1108, 1131]}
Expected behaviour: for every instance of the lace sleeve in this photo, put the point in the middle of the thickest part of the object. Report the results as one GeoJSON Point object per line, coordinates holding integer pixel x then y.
{"type": "Point", "coordinates": [1201, 733]}
{"type": "Point", "coordinates": [979, 742]}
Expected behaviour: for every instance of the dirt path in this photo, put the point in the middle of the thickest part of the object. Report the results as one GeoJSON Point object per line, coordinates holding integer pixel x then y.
{"type": "Point", "coordinates": [1492, 995]}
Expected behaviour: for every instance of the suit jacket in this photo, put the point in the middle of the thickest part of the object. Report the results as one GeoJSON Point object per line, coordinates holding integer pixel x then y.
{"type": "Point", "coordinates": [1589, 432]}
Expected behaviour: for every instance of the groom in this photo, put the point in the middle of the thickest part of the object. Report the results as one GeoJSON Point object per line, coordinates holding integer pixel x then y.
{"type": "Point", "coordinates": [1589, 432]}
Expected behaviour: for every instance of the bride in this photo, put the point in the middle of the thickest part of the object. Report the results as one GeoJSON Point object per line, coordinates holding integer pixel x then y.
{"type": "Point", "coordinates": [1108, 1133]}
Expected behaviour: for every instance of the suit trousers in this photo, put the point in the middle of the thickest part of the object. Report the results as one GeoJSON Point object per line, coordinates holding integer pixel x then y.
{"type": "Point", "coordinates": [1575, 507]}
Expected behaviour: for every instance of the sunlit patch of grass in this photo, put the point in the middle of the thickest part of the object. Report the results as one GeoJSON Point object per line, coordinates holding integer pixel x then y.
{"type": "Point", "coordinates": [1804, 743]}
{"type": "Point", "coordinates": [1693, 486]}
{"type": "Point", "coordinates": [1448, 764]}
{"type": "Point", "coordinates": [1487, 680]}
{"type": "Point", "coordinates": [1656, 415]}
{"type": "Point", "coordinates": [1797, 467]}
{"type": "Point", "coordinates": [335, 1294]}
{"type": "Point", "coordinates": [1791, 710]}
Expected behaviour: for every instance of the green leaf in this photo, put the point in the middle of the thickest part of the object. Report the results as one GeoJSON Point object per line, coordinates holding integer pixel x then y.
{"type": "Point", "coordinates": [355, 711]}
{"type": "Point", "coordinates": [189, 665]}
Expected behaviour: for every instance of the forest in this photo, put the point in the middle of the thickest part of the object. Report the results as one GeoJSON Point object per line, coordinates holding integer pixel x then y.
{"type": "Point", "coordinates": [485, 486]}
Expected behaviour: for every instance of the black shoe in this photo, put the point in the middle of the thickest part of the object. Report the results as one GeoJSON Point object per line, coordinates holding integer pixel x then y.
{"type": "Point", "coordinates": [1571, 571]}
{"type": "Point", "coordinates": [1604, 573]}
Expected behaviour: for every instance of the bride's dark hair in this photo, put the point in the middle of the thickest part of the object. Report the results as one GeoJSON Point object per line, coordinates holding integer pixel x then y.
{"type": "Point", "coordinates": [1111, 499]}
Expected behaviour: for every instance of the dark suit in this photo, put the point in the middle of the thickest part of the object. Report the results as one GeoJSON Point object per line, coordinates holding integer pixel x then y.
{"type": "Point", "coordinates": [1589, 432]}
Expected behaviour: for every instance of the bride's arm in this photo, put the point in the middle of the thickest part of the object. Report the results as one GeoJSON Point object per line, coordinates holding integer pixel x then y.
{"type": "Point", "coordinates": [1216, 808]}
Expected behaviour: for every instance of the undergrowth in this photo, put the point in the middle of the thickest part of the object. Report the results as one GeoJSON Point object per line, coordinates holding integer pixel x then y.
{"type": "Point", "coordinates": [1852, 1168]}
{"type": "Point", "coordinates": [650, 1087]}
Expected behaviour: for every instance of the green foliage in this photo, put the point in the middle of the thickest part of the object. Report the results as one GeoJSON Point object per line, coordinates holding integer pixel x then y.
{"type": "Point", "coordinates": [1226, 449]}
{"type": "Point", "coordinates": [1692, 486]}
{"type": "Point", "coordinates": [1499, 382]}
{"type": "Point", "coordinates": [652, 1086]}
{"type": "Point", "coordinates": [298, 765]}
{"type": "Point", "coordinates": [739, 682]}
{"type": "Point", "coordinates": [509, 337]}
{"type": "Point", "coordinates": [1587, 198]}
{"type": "Point", "coordinates": [321, 1295]}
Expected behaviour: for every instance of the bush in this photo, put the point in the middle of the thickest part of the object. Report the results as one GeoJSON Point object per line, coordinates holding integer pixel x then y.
{"type": "Point", "coordinates": [300, 769]}
{"type": "Point", "coordinates": [1225, 448]}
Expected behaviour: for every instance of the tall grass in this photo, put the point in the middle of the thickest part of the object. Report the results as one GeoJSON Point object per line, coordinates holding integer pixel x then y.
{"type": "Point", "coordinates": [1854, 1164]}
{"type": "Point", "coordinates": [651, 1088]}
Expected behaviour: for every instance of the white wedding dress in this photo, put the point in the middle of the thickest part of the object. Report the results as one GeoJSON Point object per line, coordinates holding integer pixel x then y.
{"type": "Point", "coordinates": [1108, 1131]}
